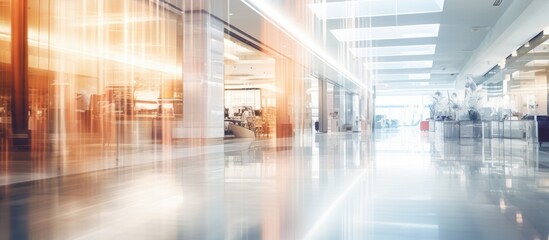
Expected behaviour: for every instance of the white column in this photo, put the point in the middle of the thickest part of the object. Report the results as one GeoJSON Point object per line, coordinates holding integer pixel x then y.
{"type": "Point", "coordinates": [203, 78]}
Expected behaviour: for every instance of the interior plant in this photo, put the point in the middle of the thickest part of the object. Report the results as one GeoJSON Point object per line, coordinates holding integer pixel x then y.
{"type": "Point", "coordinates": [432, 111]}
{"type": "Point", "coordinates": [454, 105]}
{"type": "Point", "coordinates": [440, 103]}
{"type": "Point", "coordinates": [473, 97]}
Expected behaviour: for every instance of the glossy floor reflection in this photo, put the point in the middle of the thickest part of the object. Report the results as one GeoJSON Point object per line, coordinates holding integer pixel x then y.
{"type": "Point", "coordinates": [398, 184]}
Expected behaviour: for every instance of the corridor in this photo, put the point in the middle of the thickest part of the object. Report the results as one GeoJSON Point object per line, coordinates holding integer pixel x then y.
{"type": "Point", "coordinates": [398, 184]}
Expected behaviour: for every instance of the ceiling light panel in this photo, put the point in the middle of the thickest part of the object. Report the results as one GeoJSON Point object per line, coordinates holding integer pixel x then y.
{"type": "Point", "coordinates": [396, 77]}
{"type": "Point", "coordinates": [384, 33]}
{"type": "Point", "coordinates": [394, 51]}
{"type": "Point", "coordinates": [400, 65]}
{"type": "Point", "coordinates": [374, 8]}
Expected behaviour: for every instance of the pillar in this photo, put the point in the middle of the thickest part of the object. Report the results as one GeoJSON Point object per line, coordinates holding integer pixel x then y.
{"type": "Point", "coordinates": [285, 78]}
{"type": "Point", "coordinates": [19, 69]}
{"type": "Point", "coordinates": [203, 77]}
{"type": "Point", "coordinates": [323, 105]}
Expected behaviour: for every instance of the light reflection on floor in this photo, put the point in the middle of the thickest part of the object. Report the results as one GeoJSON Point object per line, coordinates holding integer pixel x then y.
{"type": "Point", "coordinates": [400, 184]}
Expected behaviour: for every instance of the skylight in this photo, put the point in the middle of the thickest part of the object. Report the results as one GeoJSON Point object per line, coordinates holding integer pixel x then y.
{"type": "Point", "coordinates": [380, 33]}
{"type": "Point", "coordinates": [374, 8]}
{"type": "Point", "coordinates": [394, 51]}
{"type": "Point", "coordinates": [401, 65]}
{"type": "Point", "coordinates": [396, 77]}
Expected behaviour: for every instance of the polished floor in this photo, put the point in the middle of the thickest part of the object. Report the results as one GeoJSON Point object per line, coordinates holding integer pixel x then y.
{"type": "Point", "coordinates": [397, 184]}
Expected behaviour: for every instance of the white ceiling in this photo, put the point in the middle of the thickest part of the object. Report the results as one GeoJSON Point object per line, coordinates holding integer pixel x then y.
{"type": "Point", "coordinates": [464, 26]}
{"type": "Point", "coordinates": [247, 67]}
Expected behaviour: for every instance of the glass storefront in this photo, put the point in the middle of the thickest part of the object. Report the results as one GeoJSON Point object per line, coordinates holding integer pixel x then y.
{"type": "Point", "coordinates": [94, 63]}
{"type": "Point", "coordinates": [112, 72]}
{"type": "Point", "coordinates": [526, 86]}
{"type": "Point", "coordinates": [5, 59]}
{"type": "Point", "coordinates": [5, 79]}
{"type": "Point", "coordinates": [518, 88]}
{"type": "Point", "coordinates": [250, 90]}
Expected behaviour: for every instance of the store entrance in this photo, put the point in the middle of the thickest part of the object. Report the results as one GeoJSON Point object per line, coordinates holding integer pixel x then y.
{"type": "Point", "coordinates": [250, 91]}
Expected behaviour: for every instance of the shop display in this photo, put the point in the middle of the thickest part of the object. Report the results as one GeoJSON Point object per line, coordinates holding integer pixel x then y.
{"type": "Point", "coordinates": [246, 108]}
{"type": "Point", "coordinates": [122, 97]}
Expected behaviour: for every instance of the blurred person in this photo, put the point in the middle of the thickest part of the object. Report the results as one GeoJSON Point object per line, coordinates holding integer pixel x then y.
{"type": "Point", "coordinates": [244, 116]}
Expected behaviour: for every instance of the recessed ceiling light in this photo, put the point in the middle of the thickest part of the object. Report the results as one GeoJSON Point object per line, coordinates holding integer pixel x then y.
{"type": "Point", "coordinates": [372, 8]}
{"type": "Point", "coordinates": [394, 51]}
{"type": "Point", "coordinates": [479, 28]}
{"type": "Point", "coordinates": [401, 65]}
{"type": "Point", "coordinates": [380, 33]}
